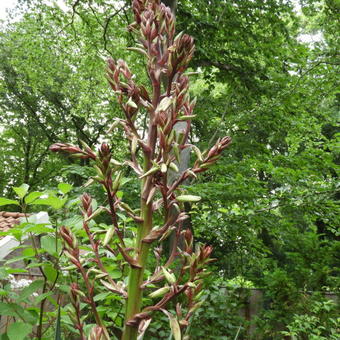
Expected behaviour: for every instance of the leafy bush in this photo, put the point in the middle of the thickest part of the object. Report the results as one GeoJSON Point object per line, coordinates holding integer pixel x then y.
{"type": "Point", "coordinates": [322, 322]}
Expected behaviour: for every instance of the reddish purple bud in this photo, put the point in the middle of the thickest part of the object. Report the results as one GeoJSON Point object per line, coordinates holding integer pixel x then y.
{"type": "Point", "coordinates": [104, 150]}
{"type": "Point", "coordinates": [206, 252]}
{"type": "Point", "coordinates": [86, 201]}
{"type": "Point", "coordinates": [188, 236]}
{"type": "Point", "coordinates": [67, 236]}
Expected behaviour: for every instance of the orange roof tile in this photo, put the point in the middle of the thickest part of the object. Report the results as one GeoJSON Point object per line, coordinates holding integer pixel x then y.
{"type": "Point", "coordinates": [9, 219]}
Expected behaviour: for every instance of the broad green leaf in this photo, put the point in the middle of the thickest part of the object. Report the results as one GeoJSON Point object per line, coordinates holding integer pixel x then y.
{"type": "Point", "coordinates": [52, 201]}
{"type": "Point", "coordinates": [6, 309]}
{"type": "Point", "coordinates": [102, 296]}
{"type": "Point", "coordinates": [65, 187]}
{"type": "Point", "coordinates": [32, 196]}
{"type": "Point", "coordinates": [37, 229]}
{"type": "Point", "coordinates": [18, 330]}
{"type": "Point", "coordinates": [120, 194]}
{"type": "Point", "coordinates": [33, 265]}
{"type": "Point", "coordinates": [16, 270]}
{"type": "Point", "coordinates": [3, 292]}
{"type": "Point", "coordinates": [28, 291]}
{"type": "Point", "coordinates": [28, 252]}
{"type": "Point", "coordinates": [50, 272]}
{"type": "Point", "coordinates": [48, 243]}
{"type": "Point", "coordinates": [16, 258]}
{"type": "Point", "coordinates": [3, 273]}
{"type": "Point", "coordinates": [6, 201]}
{"type": "Point", "coordinates": [116, 274]}
{"type": "Point", "coordinates": [22, 190]}
{"type": "Point", "coordinates": [41, 297]}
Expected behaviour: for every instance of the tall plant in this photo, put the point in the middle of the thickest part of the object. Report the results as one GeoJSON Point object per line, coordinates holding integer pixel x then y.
{"type": "Point", "coordinates": [153, 158]}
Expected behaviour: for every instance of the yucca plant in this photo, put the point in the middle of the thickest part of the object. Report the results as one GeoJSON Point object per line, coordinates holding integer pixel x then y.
{"type": "Point", "coordinates": [154, 159]}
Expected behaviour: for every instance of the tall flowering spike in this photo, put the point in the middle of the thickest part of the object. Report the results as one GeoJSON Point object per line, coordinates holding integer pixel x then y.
{"type": "Point", "coordinates": [168, 108]}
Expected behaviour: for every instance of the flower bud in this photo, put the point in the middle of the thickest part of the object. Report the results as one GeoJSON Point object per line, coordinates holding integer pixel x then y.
{"type": "Point", "coordinates": [170, 277]}
{"type": "Point", "coordinates": [188, 198]}
{"type": "Point", "coordinates": [159, 292]}
{"type": "Point", "coordinates": [108, 236]}
{"type": "Point", "coordinates": [86, 201]}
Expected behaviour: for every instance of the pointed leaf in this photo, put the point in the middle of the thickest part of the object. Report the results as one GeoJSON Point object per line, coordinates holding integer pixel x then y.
{"type": "Point", "coordinates": [5, 201]}
{"type": "Point", "coordinates": [57, 335]}
{"type": "Point", "coordinates": [18, 330]}
{"type": "Point", "coordinates": [65, 187]}
{"type": "Point", "coordinates": [32, 196]}
{"type": "Point", "coordinates": [22, 190]}
{"type": "Point", "coordinates": [29, 290]}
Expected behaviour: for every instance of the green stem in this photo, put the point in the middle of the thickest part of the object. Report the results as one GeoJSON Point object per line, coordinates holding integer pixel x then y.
{"type": "Point", "coordinates": [135, 292]}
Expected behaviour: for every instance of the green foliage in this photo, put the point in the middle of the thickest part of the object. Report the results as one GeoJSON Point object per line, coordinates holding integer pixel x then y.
{"type": "Point", "coordinates": [320, 323]}
{"type": "Point", "coordinates": [220, 313]}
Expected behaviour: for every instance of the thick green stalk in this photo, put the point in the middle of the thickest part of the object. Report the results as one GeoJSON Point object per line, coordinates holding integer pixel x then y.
{"type": "Point", "coordinates": [135, 292]}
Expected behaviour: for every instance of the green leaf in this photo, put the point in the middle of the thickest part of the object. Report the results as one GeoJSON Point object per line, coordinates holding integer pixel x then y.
{"type": "Point", "coordinates": [102, 296]}
{"type": "Point", "coordinates": [37, 229]}
{"type": "Point", "coordinates": [50, 272]}
{"type": "Point", "coordinates": [5, 201]}
{"type": "Point", "coordinates": [22, 190]}
{"type": "Point", "coordinates": [28, 252]}
{"type": "Point", "coordinates": [65, 187]}
{"type": "Point", "coordinates": [42, 297]}
{"type": "Point", "coordinates": [16, 270]}
{"type": "Point", "coordinates": [57, 335]}
{"type": "Point", "coordinates": [48, 243]}
{"type": "Point", "coordinates": [15, 259]}
{"type": "Point", "coordinates": [18, 330]}
{"type": "Point", "coordinates": [120, 194]}
{"type": "Point", "coordinates": [7, 309]}
{"type": "Point", "coordinates": [28, 291]}
{"type": "Point", "coordinates": [116, 274]}
{"type": "Point", "coordinates": [52, 201]}
{"type": "Point", "coordinates": [32, 196]}
{"type": "Point", "coordinates": [3, 273]}
{"type": "Point", "coordinates": [33, 265]}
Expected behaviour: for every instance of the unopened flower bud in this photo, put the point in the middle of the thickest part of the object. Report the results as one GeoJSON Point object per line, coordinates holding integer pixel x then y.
{"type": "Point", "coordinates": [108, 236]}
{"type": "Point", "coordinates": [86, 201]}
{"type": "Point", "coordinates": [170, 277]}
{"type": "Point", "coordinates": [159, 292]}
